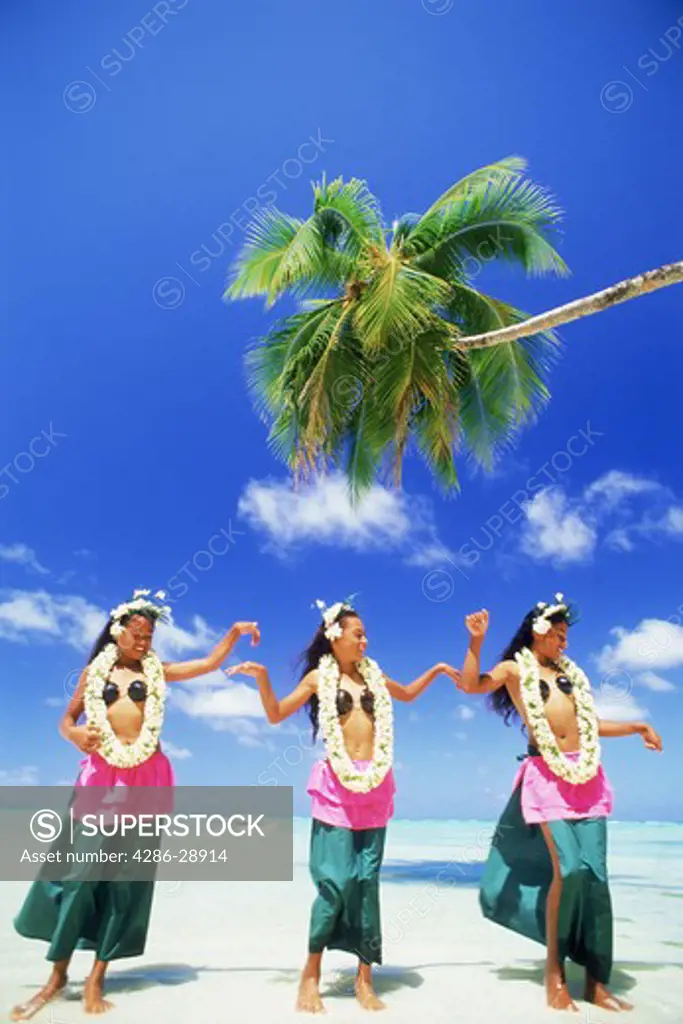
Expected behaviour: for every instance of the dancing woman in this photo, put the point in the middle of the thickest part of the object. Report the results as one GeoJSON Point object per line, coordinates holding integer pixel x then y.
{"type": "Point", "coordinates": [546, 874]}
{"type": "Point", "coordinates": [122, 692]}
{"type": "Point", "coordinates": [350, 700]}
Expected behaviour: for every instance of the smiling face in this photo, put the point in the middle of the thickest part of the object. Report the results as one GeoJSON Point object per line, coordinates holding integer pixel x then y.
{"type": "Point", "coordinates": [136, 638]}
{"type": "Point", "coordinates": [552, 644]}
{"type": "Point", "coordinates": [353, 642]}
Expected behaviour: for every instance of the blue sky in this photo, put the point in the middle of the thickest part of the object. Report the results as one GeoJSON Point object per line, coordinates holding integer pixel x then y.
{"type": "Point", "coordinates": [138, 137]}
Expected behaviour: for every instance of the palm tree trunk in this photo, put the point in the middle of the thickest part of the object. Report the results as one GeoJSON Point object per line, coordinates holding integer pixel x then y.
{"type": "Point", "coordinates": [670, 273]}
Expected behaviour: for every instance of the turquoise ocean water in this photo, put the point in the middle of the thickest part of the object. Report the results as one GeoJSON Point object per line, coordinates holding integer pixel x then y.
{"type": "Point", "coordinates": [645, 863]}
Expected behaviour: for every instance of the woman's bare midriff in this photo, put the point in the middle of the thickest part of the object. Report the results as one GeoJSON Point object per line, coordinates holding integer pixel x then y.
{"type": "Point", "coordinates": [125, 715]}
{"type": "Point", "coordinates": [560, 711]}
{"type": "Point", "coordinates": [357, 726]}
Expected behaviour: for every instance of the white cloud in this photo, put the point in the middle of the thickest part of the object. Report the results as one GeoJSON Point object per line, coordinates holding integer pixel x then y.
{"type": "Point", "coordinates": [464, 713]}
{"type": "Point", "coordinates": [653, 525]}
{"type": "Point", "coordinates": [70, 618]}
{"type": "Point", "coordinates": [564, 530]}
{"type": "Point", "coordinates": [619, 540]}
{"type": "Point", "coordinates": [218, 704]}
{"type": "Point", "coordinates": [27, 775]}
{"type": "Point", "coordinates": [673, 521]}
{"type": "Point", "coordinates": [653, 644]}
{"type": "Point", "coordinates": [654, 682]}
{"type": "Point", "coordinates": [247, 732]}
{"type": "Point", "coordinates": [322, 513]}
{"type": "Point", "coordinates": [430, 554]}
{"type": "Point", "coordinates": [620, 708]}
{"type": "Point", "coordinates": [555, 530]}
{"type": "Point", "coordinates": [172, 642]}
{"type": "Point", "coordinates": [21, 554]}
{"type": "Point", "coordinates": [178, 753]}
{"type": "Point", "coordinates": [616, 486]}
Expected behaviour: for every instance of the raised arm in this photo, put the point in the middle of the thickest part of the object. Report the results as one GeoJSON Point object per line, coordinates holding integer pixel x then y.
{"type": "Point", "coordinates": [414, 689]}
{"type": "Point", "coordinates": [176, 671]}
{"type": "Point", "coordinates": [651, 738]}
{"type": "Point", "coordinates": [472, 680]}
{"type": "Point", "coordinates": [277, 710]}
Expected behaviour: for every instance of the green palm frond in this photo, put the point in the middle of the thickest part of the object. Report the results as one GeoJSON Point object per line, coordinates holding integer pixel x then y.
{"type": "Point", "coordinates": [269, 237]}
{"type": "Point", "coordinates": [506, 390]}
{"type": "Point", "coordinates": [398, 302]}
{"type": "Point", "coordinates": [318, 397]}
{"type": "Point", "coordinates": [282, 254]}
{"type": "Point", "coordinates": [511, 220]}
{"type": "Point", "coordinates": [349, 215]}
{"type": "Point", "coordinates": [416, 376]}
{"type": "Point", "coordinates": [500, 172]}
{"type": "Point", "coordinates": [280, 364]}
{"type": "Point", "coordinates": [436, 429]}
{"type": "Point", "coordinates": [363, 449]}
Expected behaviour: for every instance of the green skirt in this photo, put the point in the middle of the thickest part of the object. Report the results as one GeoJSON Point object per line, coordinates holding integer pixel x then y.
{"type": "Point", "coordinates": [111, 918]}
{"type": "Point", "coordinates": [345, 865]}
{"type": "Point", "coordinates": [519, 872]}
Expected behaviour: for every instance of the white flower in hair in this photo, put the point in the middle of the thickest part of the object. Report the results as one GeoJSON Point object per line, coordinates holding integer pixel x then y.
{"type": "Point", "coordinates": [331, 613]}
{"type": "Point", "coordinates": [141, 593]}
{"type": "Point", "coordinates": [334, 631]}
{"type": "Point", "coordinates": [160, 595]}
{"type": "Point", "coordinates": [542, 626]}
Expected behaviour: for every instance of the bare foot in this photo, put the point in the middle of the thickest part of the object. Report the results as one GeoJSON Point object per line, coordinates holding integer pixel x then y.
{"type": "Point", "coordinates": [50, 991]}
{"type": "Point", "coordinates": [600, 996]}
{"type": "Point", "coordinates": [309, 1000]}
{"type": "Point", "coordinates": [93, 1000]}
{"type": "Point", "coordinates": [367, 997]}
{"type": "Point", "coordinates": [558, 995]}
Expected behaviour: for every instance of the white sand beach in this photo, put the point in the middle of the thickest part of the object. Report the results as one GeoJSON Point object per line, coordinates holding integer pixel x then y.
{"type": "Point", "coordinates": [219, 952]}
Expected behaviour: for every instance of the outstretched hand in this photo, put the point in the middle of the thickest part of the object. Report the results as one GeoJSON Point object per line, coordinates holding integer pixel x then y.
{"type": "Point", "coordinates": [251, 629]}
{"type": "Point", "coordinates": [452, 673]}
{"type": "Point", "coordinates": [477, 623]}
{"type": "Point", "coordinates": [651, 738]}
{"type": "Point", "coordinates": [246, 668]}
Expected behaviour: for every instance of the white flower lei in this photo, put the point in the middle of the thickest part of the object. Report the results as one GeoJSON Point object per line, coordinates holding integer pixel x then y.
{"type": "Point", "coordinates": [125, 755]}
{"type": "Point", "coordinates": [383, 754]}
{"type": "Point", "coordinates": [587, 765]}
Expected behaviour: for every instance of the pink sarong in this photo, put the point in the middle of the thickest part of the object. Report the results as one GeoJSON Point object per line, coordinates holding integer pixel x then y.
{"type": "Point", "coordinates": [155, 771]}
{"type": "Point", "coordinates": [545, 797]}
{"type": "Point", "coordinates": [92, 793]}
{"type": "Point", "coordinates": [333, 804]}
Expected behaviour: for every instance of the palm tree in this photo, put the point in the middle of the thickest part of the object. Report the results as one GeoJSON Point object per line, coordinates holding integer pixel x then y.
{"type": "Point", "coordinates": [372, 362]}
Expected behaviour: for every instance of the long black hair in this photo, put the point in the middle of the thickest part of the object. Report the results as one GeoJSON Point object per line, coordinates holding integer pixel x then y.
{"type": "Point", "coordinates": [105, 636]}
{"type": "Point", "coordinates": [318, 647]}
{"type": "Point", "coordinates": [500, 700]}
